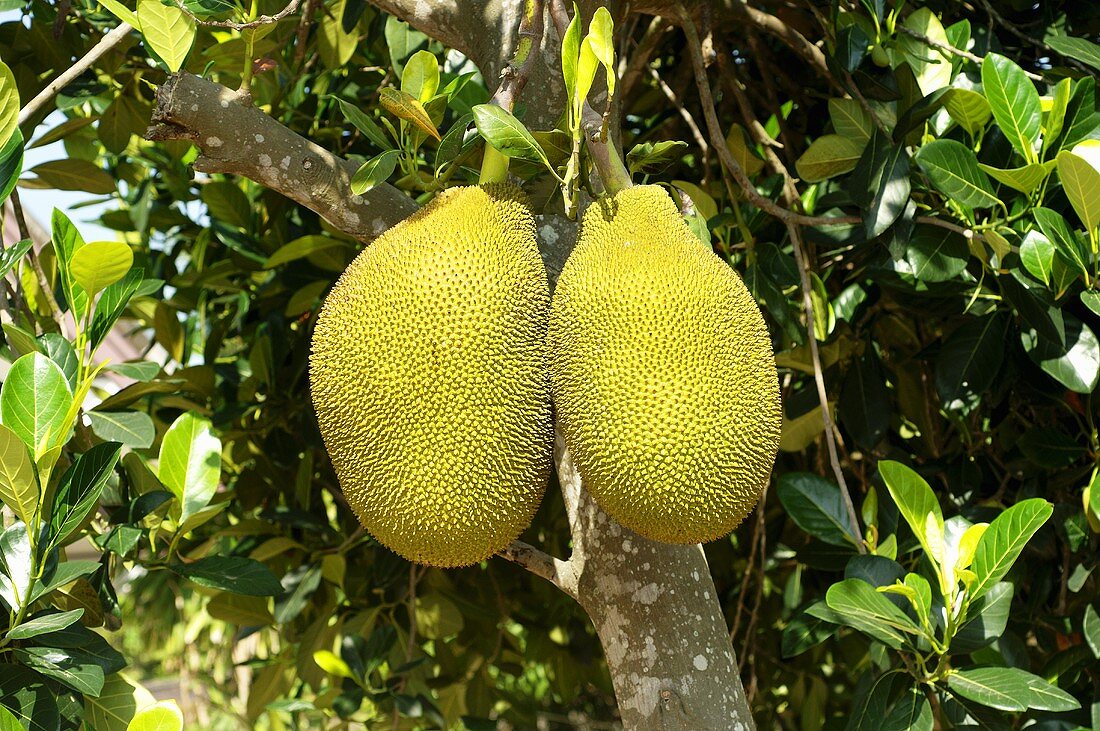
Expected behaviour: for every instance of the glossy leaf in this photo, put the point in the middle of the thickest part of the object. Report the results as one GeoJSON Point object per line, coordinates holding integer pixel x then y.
{"type": "Point", "coordinates": [931, 66]}
{"type": "Point", "coordinates": [420, 77]}
{"type": "Point", "coordinates": [816, 506]}
{"type": "Point", "coordinates": [35, 401]}
{"type": "Point", "coordinates": [1081, 181]}
{"type": "Point", "coordinates": [190, 463]}
{"type": "Point", "coordinates": [968, 108]}
{"type": "Point", "coordinates": [953, 168]}
{"type": "Point", "coordinates": [850, 119]}
{"type": "Point", "coordinates": [99, 264]}
{"type": "Point", "coordinates": [364, 124]}
{"type": "Point", "coordinates": [11, 164]}
{"type": "Point", "coordinates": [80, 488]}
{"type": "Point", "coordinates": [1003, 541]}
{"type": "Point", "coordinates": [507, 134]}
{"type": "Point", "coordinates": [1014, 103]}
{"type": "Point", "coordinates": [408, 108]}
{"type": "Point", "coordinates": [237, 574]}
{"type": "Point", "coordinates": [162, 716]}
{"type": "Point", "coordinates": [1024, 179]}
{"type": "Point", "coordinates": [133, 428]}
{"type": "Point", "coordinates": [9, 104]}
{"type": "Point", "coordinates": [918, 505]}
{"type": "Point", "coordinates": [1073, 359]}
{"type": "Point", "coordinates": [870, 612]}
{"type": "Point", "coordinates": [44, 623]}
{"type": "Point", "coordinates": [936, 254]}
{"type": "Point", "coordinates": [829, 156]}
{"type": "Point", "coordinates": [882, 181]}
{"type": "Point", "coordinates": [374, 171]}
{"type": "Point", "coordinates": [18, 484]}
{"type": "Point", "coordinates": [167, 30]}
{"type": "Point", "coordinates": [1078, 49]}
{"type": "Point", "coordinates": [1010, 689]}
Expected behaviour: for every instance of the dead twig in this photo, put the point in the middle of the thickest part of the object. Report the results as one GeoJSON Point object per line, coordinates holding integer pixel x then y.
{"type": "Point", "coordinates": [291, 8]}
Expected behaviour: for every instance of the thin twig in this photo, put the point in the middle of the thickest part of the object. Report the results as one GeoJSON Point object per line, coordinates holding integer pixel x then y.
{"type": "Point", "coordinates": [291, 8]}
{"type": "Point", "coordinates": [1000, 19]}
{"type": "Point", "coordinates": [32, 255]}
{"type": "Point", "coordinates": [819, 379]}
{"type": "Point", "coordinates": [792, 221]}
{"type": "Point", "coordinates": [514, 76]}
{"type": "Point", "coordinates": [684, 113]}
{"type": "Point", "coordinates": [948, 48]}
{"type": "Point", "coordinates": [105, 44]}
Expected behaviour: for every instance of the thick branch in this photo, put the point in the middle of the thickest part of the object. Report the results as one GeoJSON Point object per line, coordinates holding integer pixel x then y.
{"type": "Point", "coordinates": [242, 140]}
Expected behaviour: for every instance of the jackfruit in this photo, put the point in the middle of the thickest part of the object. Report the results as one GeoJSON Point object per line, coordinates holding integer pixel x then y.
{"type": "Point", "coordinates": [429, 378]}
{"type": "Point", "coordinates": [662, 373]}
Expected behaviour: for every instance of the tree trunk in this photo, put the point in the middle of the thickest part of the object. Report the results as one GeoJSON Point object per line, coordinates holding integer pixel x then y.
{"type": "Point", "coordinates": [654, 606]}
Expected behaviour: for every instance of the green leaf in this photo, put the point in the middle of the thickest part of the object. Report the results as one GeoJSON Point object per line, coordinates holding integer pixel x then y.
{"type": "Point", "coordinates": [420, 77]}
{"type": "Point", "coordinates": [988, 618]}
{"type": "Point", "coordinates": [35, 401]}
{"type": "Point", "coordinates": [969, 361]}
{"type": "Point", "coordinates": [1081, 118]}
{"type": "Point", "coordinates": [124, 118]}
{"type": "Point", "coordinates": [654, 157]}
{"type": "Point", "coordinates": [112, 303]}
{"type": "Point", "coordinates": [816, 506]}
{"type": "Point", "coordinates": [121, 12]}
{"type": "Point", "coordinates": [231, 573]}
{"type": "Point", "coordinates": [1081, 181]}
{"type": "Point", "coordinates": [44, 623]}
{"type": "Point", "coordinates": [911, 712]}
{"type": "Point", "coordinates": [968, 108]}
{"type": "Point", "coordinates": [32, 701]}
{"type": "Point", "coordinates": [850, 119]}
{"type": "Point", "coordinates": [227, 203]}
{"type": "Point", "coordinates": [83, 677]}
{"type": "Point", "coordinates": [401, 40]}
{"type": "Point", "coordinates": [1010, 689]}
{"type": "Point", "coordinates": [10, 256]}
{"type": "Point", "coordinates": [163, 716]}
{"type": "Point", "coordinates": [829, 156]}
{"type": "Point", "coordinates": [8, 721]}
{"type": "Point", "coordinates": [9, 104]}
{"type": "Point", "coordinates": [18, 485]}
{"type": "Point", "coordinates": [953, 169]}
{"type": "Point", "coordinates": [936, 254]}
{"type": "Point", "coordinates": [601, 40]}
{"type": "Point", "coordinates": [570, 50]}
{"type": "Point", "coordinates": [135, 429]}
{"type": "Point", "coordinates": [1024, 179]}
{"type": "Point", "coordinates": [507, 134]}
{"type": "Point", "coordinates": [1065, 242]}
{"type": "Point", "coordinates": [116, 705]}
{"type": "Point", "coordinates": [167, 30]}
{"type": "Point", "coordinates": [1036, 253]}
{"type": "Point", "coordinates": [302, 247]}
{"type": "Point", "coordinates": [16, 566]}
{"type": "Point", "coordinates": [139, 370]}
{"type": "Point", "coordinates": [80, 488]}
{"type": "Point", "coordinates": [918, 505]}
{"type": "Point", "coordinates": [364, 124]}
{"type": "Point", "coordinates": [65, 573]}
{"type": "Point", "coordinates": [374, 171]}
{"type": "Point", "coordinates": [864, 405]}
{"type": "Point", "coordinates": [930, 65]}
{"type": "Point", "coordinates": [99, 264]}
{"type": "Point", "coordinates": [880, 183]}
{"type": "Point", "coordinates": [862, 607]}
{"type": "Point", "coordinates": [1073, 360]}
{"type": "Point", "coordinates": [805, 631]}
{"type": "Point", "coordinates": [407, 107]}
{"type": "Point", "coordinates": [438, 616]}
{"type": "Point", "coordinates": [61, 351]}
{"type": "Point", "coordinates": [190, 463]}
{"type": "Point", "coordinates": [1090, 627]}
{"type": "Point", "coordinates": [1002, 542]}
{"type": "Point", "coordinates": [1014, 102]}
{"type": "Point", "coordinates": [331, 663]}
{"type": "Point", "coordinates": [1078, 49]}
{"type": "Point", "coordinates": [73, 174]}
{"type": "Point", "coordinates": [11, 164]}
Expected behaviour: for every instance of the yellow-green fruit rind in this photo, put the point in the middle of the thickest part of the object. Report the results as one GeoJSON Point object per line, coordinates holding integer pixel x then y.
{"type": "Point", "coordinates": [662, 373]}
{"type": "Point", "coordinates": [429, 378]}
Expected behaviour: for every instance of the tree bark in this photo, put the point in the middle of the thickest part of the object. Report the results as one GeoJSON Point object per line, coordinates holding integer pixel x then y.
{"type": "Point", "coordinates": [654, 606]}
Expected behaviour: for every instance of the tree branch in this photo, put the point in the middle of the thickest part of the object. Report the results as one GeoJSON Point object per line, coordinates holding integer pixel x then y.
{"type": "Point", "coordinates": [557, 572]}
{"type": "Point", "coordinates": [292, 7]}
{"type": "Point", "coordinates": [105, 44]}
{"type": "Point", "coordinates": [242, 140]}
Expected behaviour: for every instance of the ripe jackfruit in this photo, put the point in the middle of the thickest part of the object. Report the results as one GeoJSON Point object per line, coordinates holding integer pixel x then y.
{"type": "Point", "coordinates": [429, 378]}
{"type": "Point", "coordinates": [662, 373]}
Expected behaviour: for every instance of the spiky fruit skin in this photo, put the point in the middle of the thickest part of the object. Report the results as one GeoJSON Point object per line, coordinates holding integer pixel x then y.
{"type": "Point", "coordinates": [662, 373]}
{"type": "Point", "coordinates": [429, 378]}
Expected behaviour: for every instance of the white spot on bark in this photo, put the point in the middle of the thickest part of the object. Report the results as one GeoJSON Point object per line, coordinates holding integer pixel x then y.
{"type": "Point", "coordinates": [647, 594]}
{"type": "Point", "coordinates": [423, 9]}
{"type": "Point", "coordinates": [225, 104]}
{"type": "Point", "coordinates": [259, 138]}
{"type": "Point", "coordinates": [700, 663]}
{"type": "Point", "coordinates": [285, 163]}
{"type": "Point", "coordinates": [265, 160]}
{"type": "Point", "coordinates": [549, 234]}
{"type": "Point", "coordinates": [626, 546]}
{"type": "Point", "coordinates": [378, 225]}
{"type": "Point", "coordinates": [194, 107]}
{"type": "Point", "coordinates": [213, 141]}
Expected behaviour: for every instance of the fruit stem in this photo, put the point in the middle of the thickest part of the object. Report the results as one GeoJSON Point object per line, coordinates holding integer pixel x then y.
{"type": "Point", "coordinates": [606, 158]}
{"type": "Point", "coordinates": [494, 166]}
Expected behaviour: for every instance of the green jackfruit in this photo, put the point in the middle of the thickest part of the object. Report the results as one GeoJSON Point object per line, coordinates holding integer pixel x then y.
{"type": "Point", "coordinates": [429, 378]}
{"type": "Point", "coordinates": [662, 373]}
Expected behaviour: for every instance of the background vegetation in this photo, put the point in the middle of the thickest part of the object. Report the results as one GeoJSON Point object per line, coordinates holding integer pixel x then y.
{"type": "Point", "coordinates": [920, 227]}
